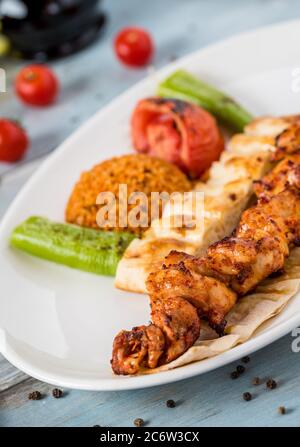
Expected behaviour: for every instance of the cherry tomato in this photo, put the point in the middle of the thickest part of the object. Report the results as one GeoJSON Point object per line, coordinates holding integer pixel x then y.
{"type": "Point", "coordinates": [134, 46]}
{"type": "Point", "coordinates": [37, 85]}
{"type": "Point", "coordinates": [13, 141]}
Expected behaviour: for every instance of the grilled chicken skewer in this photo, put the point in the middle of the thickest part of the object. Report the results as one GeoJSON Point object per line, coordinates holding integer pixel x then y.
{"type": "Point", "coordinates": [188, 288]}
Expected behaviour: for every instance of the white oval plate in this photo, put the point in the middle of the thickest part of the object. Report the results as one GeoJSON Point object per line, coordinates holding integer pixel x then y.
{"type": "Point", "coordinates": [57, 324]}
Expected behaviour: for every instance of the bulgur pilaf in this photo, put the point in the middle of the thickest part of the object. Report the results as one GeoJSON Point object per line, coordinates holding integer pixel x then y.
{"type": "Point", "coordinates": [140, 172]}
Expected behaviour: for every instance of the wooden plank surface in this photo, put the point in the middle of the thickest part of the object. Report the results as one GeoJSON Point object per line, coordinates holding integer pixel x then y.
{"type": "Point", "coordinates": [9, 375]}
{"type": "Point", "coordinates": [209, 400]}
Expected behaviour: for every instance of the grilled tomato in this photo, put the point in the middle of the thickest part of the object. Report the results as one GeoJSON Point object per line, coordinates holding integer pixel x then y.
{"type": "Point", "coordinates": [178, 132]}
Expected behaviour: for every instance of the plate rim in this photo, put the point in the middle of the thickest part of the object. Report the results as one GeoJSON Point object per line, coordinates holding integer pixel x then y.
{"type": "Point", "coordinates": [126, 383]}
{"type": "Point", "coordinates": [193, 369]}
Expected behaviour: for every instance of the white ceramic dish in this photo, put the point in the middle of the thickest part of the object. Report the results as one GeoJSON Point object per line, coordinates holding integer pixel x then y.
{"type": "Point", "coordinates": [57, 324]}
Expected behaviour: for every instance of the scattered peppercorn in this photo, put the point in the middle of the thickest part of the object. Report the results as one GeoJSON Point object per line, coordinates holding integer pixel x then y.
{"type": "Point", "coordinates": [171, 403]}
{"type": "Point", "coordinates": [35, 395]}
{"type": "Point", "coordinates": [240, 369]}
{"type": "Point", "coordinates": [271, 384]}
{"type": "Point", "coordinates": [57, 393]}
{"type": "Point", "coordinates": [247, 396]}
{"type": "Point", "coordinates": [282, 410]}
{"type": "Point", "coordinates": [234, 375]}
{"type": "Point", "coordinates": [256, 381]}
{"type": "Point", "coordinates": [246, 359]}
{"type": "Point", "coordinates": [138, 422]}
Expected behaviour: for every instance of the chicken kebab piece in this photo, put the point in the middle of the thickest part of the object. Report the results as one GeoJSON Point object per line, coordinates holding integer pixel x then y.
{"type": "Point", "coordinates": [287, 171]}
{"type": "Point", "coordinates": [187, 289]}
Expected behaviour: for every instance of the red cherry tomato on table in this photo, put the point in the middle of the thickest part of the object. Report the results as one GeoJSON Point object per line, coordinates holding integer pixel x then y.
{"type": "Point", "coordinates": [134, 46]}
{"type": "Point", "coordinates": [37, 85]}
{"type": "Point", "coordinates": [13, 141]}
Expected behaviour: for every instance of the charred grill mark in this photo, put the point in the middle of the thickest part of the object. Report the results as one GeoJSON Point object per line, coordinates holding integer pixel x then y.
{"type": "Point", "coordinates": [179, 106]}
{"type": "Point", "coordinates": [278, 273]}
{"type": "Point", "coordinates": [219, 328]}
{"type": "Point", "coordinates": [243, 274]}
{"type": "Point", "coordinates": [268, 186]}
{"type": "Point", "coordinates": [182, 268]}
{"type": "Point", "coordinates": [176, 105]}
{"type": "Point", "coordinates": [296, 241]}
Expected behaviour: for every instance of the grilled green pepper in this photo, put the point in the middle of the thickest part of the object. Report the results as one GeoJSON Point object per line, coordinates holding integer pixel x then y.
{"type": "Point", "coordinates": [183, 85]}
{"type": "Point", "coordinates": [94, 251]}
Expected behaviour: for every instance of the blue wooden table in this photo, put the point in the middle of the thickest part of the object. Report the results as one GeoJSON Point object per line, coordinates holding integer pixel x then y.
{"type": "Point", "coordinates": [89, 80]}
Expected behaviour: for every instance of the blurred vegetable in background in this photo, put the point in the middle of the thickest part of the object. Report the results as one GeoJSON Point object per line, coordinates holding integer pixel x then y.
{"type": "Point", "coordinates": [134, 46]}
{"type": "Point", "coordinates": [4, 43]}
{"type": "Point", "coordinates": [37, 85]}
{"type": "Point", "coordinates": [13, 141]}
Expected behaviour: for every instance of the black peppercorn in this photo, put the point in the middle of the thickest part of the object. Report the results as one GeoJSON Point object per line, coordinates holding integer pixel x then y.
{"type": "Point", "coordinates": [240, 369]}
{"type": "Point", "coordinates": [57, 393]}
{"type": "Point", "coordinates": [282, 410]}
{"type": "Point", "coordinates": [271, 384]}
{"type": "Point", "coordinates": [256, 381]}
{"type": "Point", "coordinates": [35, 395]}
{"type": "Point", "coordinates": [234, 375]}
{"type": "Point", "coordinates": [138, 422]}
{"type": "Point", "coordinates": [247, 396]}
{"type": "Point", "coordinates": [171, 403]}
{"type": "Point", "coordinates": [246, 359]}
